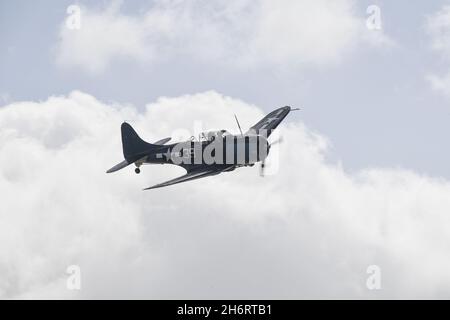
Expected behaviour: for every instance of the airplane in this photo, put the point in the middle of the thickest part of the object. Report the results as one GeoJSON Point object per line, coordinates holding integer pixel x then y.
{"type": "Point", "coordinates": [213, 153]}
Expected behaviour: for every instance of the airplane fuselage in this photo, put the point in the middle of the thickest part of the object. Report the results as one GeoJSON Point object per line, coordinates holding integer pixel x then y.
{"type": "Point", "coordinates": [227, 150]}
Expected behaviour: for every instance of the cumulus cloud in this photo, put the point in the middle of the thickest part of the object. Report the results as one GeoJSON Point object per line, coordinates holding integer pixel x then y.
{"type": "Point", "coordinates": [438, 27]}
{"type": "Point", "coordinates": [4, 97]}
{"type": "Point", "coordinates": [238, 33]}
{"type": "Point", "coordinates": [309, 231]}
{"type": "Point", "coordinates": [439, 83]}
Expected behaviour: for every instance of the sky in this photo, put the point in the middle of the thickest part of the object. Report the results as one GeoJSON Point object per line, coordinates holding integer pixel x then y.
{"type": "Point", "coordinates": [361, 178]}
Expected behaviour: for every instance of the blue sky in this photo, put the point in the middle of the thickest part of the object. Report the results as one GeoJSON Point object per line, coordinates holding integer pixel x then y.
{"type": "Point", "coordinates": [375, 106]}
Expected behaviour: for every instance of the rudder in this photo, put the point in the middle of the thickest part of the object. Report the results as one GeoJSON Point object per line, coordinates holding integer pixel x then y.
{"type": "Point", "coordinates": [133, 146]}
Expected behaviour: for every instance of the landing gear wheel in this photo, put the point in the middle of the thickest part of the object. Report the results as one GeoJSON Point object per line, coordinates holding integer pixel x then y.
{"type": "Point", "coordinates": [137, 170]}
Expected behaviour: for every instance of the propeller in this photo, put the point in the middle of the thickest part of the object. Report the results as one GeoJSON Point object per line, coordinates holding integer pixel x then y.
{"type": "Point", "coordinates": [263, 163]}
{"type": "Point", "coordinates": [261, 168]}
{"type": "Point", "coordinates": [279, 140]}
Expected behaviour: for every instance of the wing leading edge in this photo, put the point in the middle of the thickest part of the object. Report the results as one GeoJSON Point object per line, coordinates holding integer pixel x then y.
{"type": "Point", "coordinates": [191, 175]}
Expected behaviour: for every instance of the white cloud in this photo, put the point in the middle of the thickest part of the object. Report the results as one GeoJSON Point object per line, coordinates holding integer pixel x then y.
{"type": "Point", "coordinates": [309, 231]}
{"type": "Point", "coordinates": [438, 28]}
{"type": "Point", "coordinates": [103, 36]}
{"type": "Point", "coordinates": [4, 97]}
{"type": "Point", "coordinates": [238, 33]}
{"type": "Point", "coordinates": [438, 25]}
{"type": "Point", "coordinates": [439, 83]}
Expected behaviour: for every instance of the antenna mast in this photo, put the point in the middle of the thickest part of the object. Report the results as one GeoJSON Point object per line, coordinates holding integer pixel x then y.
{"type": "Point", "coordinates": [239, 126]}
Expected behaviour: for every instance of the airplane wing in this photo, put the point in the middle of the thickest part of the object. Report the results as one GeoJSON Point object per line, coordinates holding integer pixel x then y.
{"type": "Point", "coordinates": [192, 175]}
{"type": "Point", "coordinates": [267, 124]}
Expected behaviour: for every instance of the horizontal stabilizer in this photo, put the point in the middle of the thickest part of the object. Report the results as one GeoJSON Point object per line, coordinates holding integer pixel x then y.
{"type": "Point", "coordinates": [162, 141]}
{"type": "Point", "coordinates": [119, 166]}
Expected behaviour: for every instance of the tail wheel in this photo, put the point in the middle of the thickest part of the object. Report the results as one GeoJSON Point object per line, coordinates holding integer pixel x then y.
{"type": "Point", "coordinates": [137, 170]}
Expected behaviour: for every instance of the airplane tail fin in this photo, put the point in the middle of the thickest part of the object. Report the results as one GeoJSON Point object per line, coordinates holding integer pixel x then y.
{"type": "Point", "coordinates": [133, 146]}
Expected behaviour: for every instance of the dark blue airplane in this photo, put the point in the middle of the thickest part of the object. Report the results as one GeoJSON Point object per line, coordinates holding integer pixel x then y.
{"type": "Point", "coordinates": [213, 153]}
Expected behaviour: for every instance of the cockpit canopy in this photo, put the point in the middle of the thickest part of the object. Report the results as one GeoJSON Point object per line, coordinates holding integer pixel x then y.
{"type": "Point", "coordinates": [211, 135]}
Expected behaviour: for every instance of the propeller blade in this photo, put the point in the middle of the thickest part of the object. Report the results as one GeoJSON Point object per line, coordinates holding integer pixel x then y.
{"type": "Point", "coordinates": [261, 169]}
{"type": "Point", "coordinates": [263, 163]}
{"type": "Point", "coordinates": [279, 140]}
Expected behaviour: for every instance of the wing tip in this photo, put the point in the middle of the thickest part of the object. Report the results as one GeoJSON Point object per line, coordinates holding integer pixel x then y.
{"type": "Point", "coordinates": [152, 187]}
{"type": "Point", "coordinates": [118, 166]}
